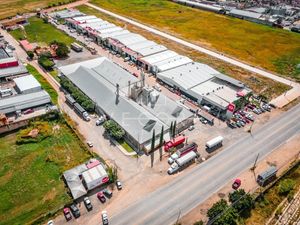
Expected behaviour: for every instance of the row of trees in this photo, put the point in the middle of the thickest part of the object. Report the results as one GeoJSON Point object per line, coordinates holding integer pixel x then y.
{"type": "Point", "coordinates": [241, 204]}
{"type": "Point", "coordinates": [79, 96]}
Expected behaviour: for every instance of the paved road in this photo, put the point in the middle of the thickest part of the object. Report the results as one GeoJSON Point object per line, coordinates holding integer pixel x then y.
{"type": "Point", "coordinates": [186, 192]}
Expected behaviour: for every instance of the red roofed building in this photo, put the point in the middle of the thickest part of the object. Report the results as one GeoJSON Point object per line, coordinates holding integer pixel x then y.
{"type": "Point", "coordinates": [26, 45]}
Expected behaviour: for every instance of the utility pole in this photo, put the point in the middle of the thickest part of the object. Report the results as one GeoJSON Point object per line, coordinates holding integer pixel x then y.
{"type": "Point", "coordinates": [178, 217]}
{"type": "Point", "coordinates": [254, 165]}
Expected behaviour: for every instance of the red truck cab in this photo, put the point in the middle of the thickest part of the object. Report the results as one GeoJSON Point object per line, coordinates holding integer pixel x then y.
{"type": "Point", "coordinates": [173, 143]}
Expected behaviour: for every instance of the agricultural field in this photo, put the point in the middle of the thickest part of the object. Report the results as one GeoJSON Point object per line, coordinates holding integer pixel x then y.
{"type": "Point", "coordinates": [273, 49]}
{"type": "Point", "coordinates": [12, 7]}
{"type": "Point", "coordinates": [259, 84]}
{"type": "Point", "coordinates": [31, 187]}
{"type": "Point", "coordinates": [41, 32]}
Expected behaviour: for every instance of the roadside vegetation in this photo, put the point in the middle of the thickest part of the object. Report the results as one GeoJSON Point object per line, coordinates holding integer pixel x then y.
{"type": "Point", "coordinates": [42, 33]}
{"type": "Point", "coordinates": [32, 163]}
{"type": "Point", "coordinates": [10, 8]}
{"type": "Point", "coordinates": [270, 48]}
{"type": "Point", "coordinates": [260, 85]}
{"type": "Point", "coordinates": [284, 188]}
{"type": "Point", "coordinates": [44, 83]}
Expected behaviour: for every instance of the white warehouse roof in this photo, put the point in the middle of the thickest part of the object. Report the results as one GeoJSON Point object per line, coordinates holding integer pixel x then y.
{"type": "Point", "coordinates": [141, 45]}
{"type": "Point", "coordinates": [172, 63]}
{"type": "Point", "coordinates": [113, 34]}
{"type": "Point", "coordinates": [83, 18]}
{"type": "Point", "coordinates": [110, 29]}
{"type": "Point", "coordinates": [26, 82]}
{"type": "Point", "coordinates": [189, 75]}
{"type": "Point", "coordinates": [159, 57]}
{"type": "Point", "coordinates": [131, 38]}
{"type": "Point", "coordinates": [151, 50]}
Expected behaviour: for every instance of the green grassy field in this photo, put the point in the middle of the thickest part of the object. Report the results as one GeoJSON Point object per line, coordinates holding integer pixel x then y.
{"type": "Point", "coordinates": [273, 49]}
{"type": "Point", "coordinates": [44, 83]}
{"type": "Point", "coordinates": [12, 7]}
{"type": "Point", "coordinates": [259, 84]}
{"type": "Point", "coordinates": [42, 33]}
{"type": "Point", "coordinates": [30, 183]}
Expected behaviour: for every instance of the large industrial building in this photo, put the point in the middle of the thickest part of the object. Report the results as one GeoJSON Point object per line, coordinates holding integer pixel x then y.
{"type": "Point", "coordinates": [10, 66]}
{"type": "Point", "coordinates": [206, 86]}
{"type": "Point", "coordinates": [137, 108]}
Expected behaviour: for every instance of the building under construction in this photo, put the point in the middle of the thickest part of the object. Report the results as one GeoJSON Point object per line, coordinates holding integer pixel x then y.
{"type": "Point", "coordinates": [122, 97]}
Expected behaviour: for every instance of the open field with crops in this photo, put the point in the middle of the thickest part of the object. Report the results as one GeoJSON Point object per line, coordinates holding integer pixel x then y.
{"type": "Point", "coordinates": [273, 49]}
{"type": "Point", "coordinates": [31, 169]}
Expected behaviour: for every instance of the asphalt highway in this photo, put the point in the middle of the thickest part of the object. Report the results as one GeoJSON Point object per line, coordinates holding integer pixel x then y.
{"type": "Point", "coordinates": [186, 192]}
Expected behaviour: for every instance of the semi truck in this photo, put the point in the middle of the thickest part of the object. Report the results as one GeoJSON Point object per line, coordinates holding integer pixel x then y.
{"type": "Point", "coordinates": [181, 152]}
{"type": "Point", "coordinates": [70, 100]}
{"type": "Point", "coordinates": [182, 162]}
{"type": "Point", "coordinates": [214, 143]}
{"type": "Point", "coordinates": [173, 143]}
{"type": "Point", "coordinates": [81, 112]}
{"type": "Point", "coordinates": [76, 47]}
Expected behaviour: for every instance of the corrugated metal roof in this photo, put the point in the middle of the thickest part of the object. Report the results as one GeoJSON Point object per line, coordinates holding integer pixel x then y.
{"type": "Point", "coordinates": [101, 80]}
{"type": "Point", "coordinates": [26, 82]}
{"type": "Point", "coordinates": [159, 57]}
{"type": "Point", "coordinates": [244, 13]}
{"type": "Point", "coordinates": [24, 101]}
{"type": "Point", "coordinates": [172, 63]}
{"type": "Point", "coordinates": [83, 18]}
{"type": "Point", "coordinates": [151, 50]}
{"type": "Point", "coordinates": [113, 34]}
{"type": "Point", "coordinates": [141, 45]}
{"type": "Point", "coordinates": [131, 38]}
{"type": "Point", "coordinates": [14, 70]}
{"type": "Point", "coordinates": [189, 75]}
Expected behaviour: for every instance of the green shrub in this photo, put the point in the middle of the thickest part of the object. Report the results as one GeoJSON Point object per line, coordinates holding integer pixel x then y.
{"type": "Point", "coordinates": [199, 223]}
{"type": "Point", "coordinates": [114, 129]}
{"type": "Point", "coordinates": [285, 186]}
{"type": "Point", "coordinates": [45, 62]}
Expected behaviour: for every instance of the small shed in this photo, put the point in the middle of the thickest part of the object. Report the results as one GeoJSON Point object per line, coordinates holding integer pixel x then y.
{"type": "Point", "coordinates": [267, 176]}
{"type": "Point", "coordinates": [27, 84]}
{"type": "Point", "coordinates": [94, 177]}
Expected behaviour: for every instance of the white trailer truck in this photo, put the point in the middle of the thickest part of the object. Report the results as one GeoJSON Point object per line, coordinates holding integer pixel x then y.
{"type": "Point", "coordinates": [214, 143]}
{"type": "Point", "coordinates": [182, 162]}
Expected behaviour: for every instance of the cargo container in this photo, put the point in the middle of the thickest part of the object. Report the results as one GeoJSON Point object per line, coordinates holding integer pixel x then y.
{"type": "Point", "coordinates": [214, 143]}
{"type": "Point", "coordinates": [182, 162]}
{"type": "Point", "coordinates": [181, 152]}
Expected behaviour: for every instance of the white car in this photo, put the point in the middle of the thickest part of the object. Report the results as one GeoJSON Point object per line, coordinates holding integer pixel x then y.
{"type": "Point", "coordinates": [90, 144]}
{"type": "Point", "coordinates": [104, 217]}
{"type": "Point", "coordinates": [100, 121]}
{"type": "Point", "coordinates": [50, 222]}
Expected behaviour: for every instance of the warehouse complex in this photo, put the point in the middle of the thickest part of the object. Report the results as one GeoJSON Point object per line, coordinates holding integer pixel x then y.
{"type": "Point", "coordinates": [19, 90]}
{"type": "Point", "coordinates": [137, 108]}
{"type": "Point", "coordinates": [198, 82]}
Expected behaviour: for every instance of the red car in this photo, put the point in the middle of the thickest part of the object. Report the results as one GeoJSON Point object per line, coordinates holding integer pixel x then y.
{"type": "Point", "coordinates": [67, 214]}
{"type": "Point", "coordinates": [236, 184]}
{"type": "Point", "coordinates": [101, 197]}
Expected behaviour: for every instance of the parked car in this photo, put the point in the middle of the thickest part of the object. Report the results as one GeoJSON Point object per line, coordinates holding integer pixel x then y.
{"type": "Point", "coordinates": [27, 111]}
{"type": "Point", "coordinates": [104, 217]}
{"type": "Point", "coordinates": [101, 197]}
{"type": "Point", "coordinates": [119, 185]}
{"type": "Point", "coordinates": [100, 120]}
{"type": "Point", "coordinates": [75, 211]}
{"type": "Point", "coordinates": [107, 193]}
{"type": "Point", "coordinates": [236, 184]}
{"type": "Point", "coordinates": [191, 128]}
{"type": "Point", "coordinates": [90, 144]}
{"type": "Point", "coordinates": [67, 214]}
{"type": "Point", "coordinates": [50, 222]}
{"type": "Point", "coordinates": [88, 204]}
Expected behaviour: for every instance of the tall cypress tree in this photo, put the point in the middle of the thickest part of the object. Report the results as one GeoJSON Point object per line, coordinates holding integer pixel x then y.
{"type": "Point", "coordinates": [171, 129]}
{"type": "Point", "coordinates": [153, 141]}
{"type": "Point", "coordinates": [161, 140]}
{"type": "Point", "coordinates": [174, 129]}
